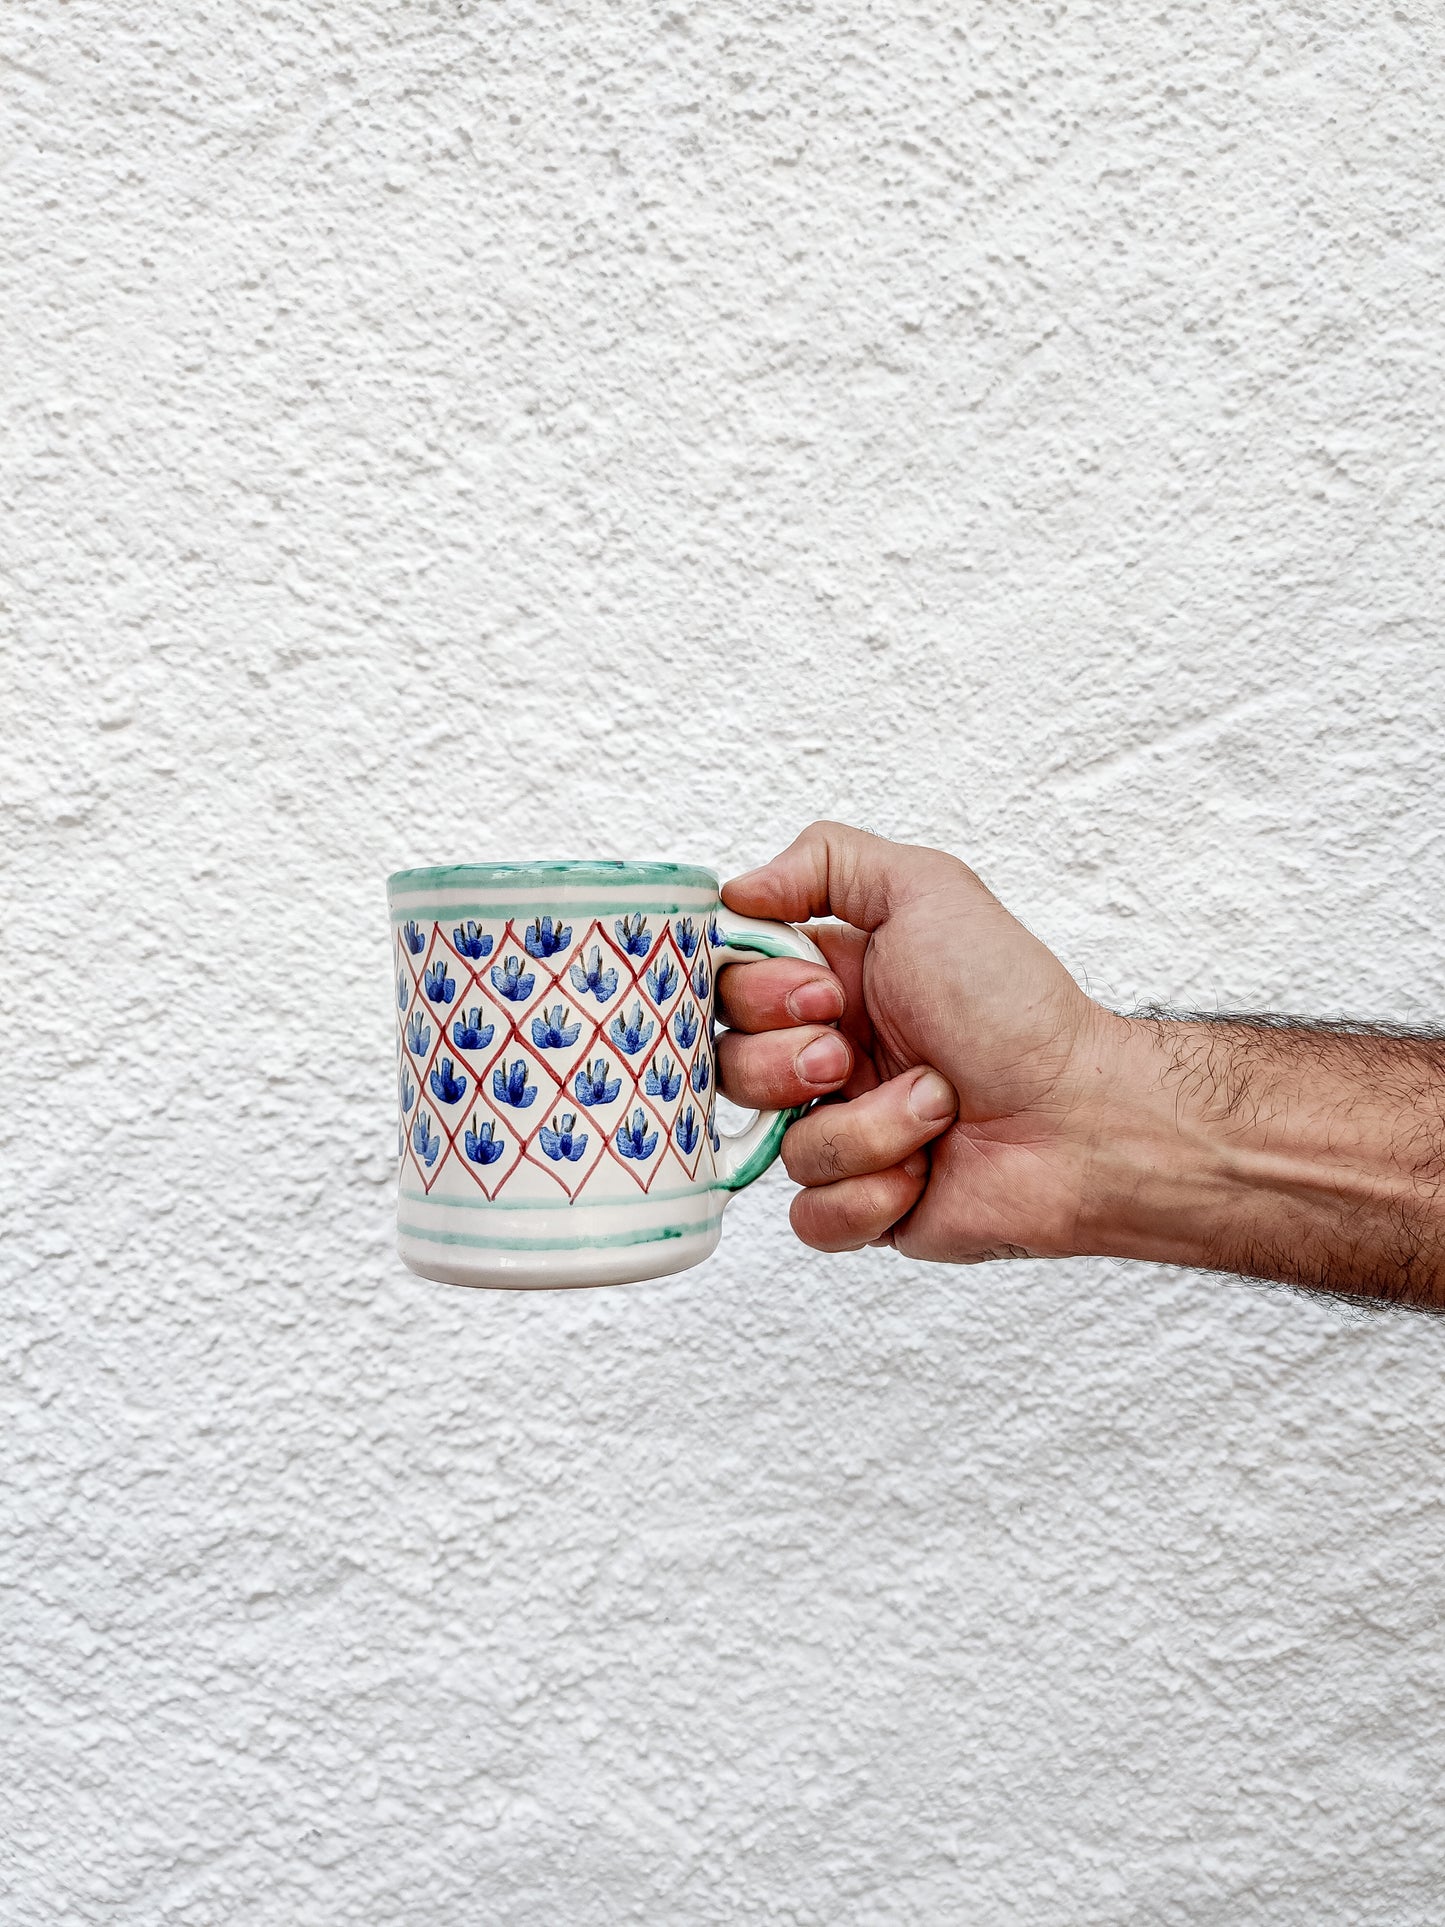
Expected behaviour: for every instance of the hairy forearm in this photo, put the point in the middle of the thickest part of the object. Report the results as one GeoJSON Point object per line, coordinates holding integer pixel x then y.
{"type": "Point", "coordinates": [1310, 1154]}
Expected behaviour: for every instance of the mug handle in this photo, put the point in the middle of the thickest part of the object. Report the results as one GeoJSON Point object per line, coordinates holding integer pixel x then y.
{"type": "Point", "coordinates": [744, 1155]}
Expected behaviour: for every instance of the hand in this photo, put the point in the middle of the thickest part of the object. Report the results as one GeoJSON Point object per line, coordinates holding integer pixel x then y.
{"type": "Point", "coordinates": [976, 1104]}
{"type": "Point", "coordinates": [957, 1031]}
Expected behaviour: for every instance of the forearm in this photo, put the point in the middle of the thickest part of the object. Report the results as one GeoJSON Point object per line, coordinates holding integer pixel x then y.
{"type": "Point", "coordinates": [1310, 1155]}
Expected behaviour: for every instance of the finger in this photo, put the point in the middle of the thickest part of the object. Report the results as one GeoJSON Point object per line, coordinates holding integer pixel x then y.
{"type": "Point", "coordinates": [845, 948]}
{"type": "Point", "coordinates": [777, 993]}
{"type": "Point", "coordinates": [778, 1068]}
{"type": "Point", "coordinates": [833, 869]}
{"type": "Point", "coordinates": [858, 1211]}
{"type": "Point", "coordinates": [871, 1133]}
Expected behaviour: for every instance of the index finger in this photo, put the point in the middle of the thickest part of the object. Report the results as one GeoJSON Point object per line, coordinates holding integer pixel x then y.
{"type": "Point", "coordinates": [777, 992]}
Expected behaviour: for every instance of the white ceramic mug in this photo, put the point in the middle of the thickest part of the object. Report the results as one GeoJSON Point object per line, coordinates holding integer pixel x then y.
{"type": "Point", "coordinates": [556, 1072]}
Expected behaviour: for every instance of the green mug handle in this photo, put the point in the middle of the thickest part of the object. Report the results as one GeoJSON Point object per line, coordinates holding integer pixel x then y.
{"type": "Point", "coordinates": [746, 1154]}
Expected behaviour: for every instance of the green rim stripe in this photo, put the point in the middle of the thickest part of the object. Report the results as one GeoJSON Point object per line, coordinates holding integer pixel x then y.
{"type": "Point", "coordinates": [646, 1237]}
{"type": "Point", "coordinates": [542, 876]}
{"type": "Point", "coordinates": [505, 906]}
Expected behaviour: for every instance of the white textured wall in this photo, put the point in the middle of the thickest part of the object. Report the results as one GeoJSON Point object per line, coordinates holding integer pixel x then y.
{"type": "Point", "coordinates": [448, 431]}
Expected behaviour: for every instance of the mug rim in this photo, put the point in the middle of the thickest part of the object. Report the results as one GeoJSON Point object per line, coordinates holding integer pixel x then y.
{"type": "Point", "coordinates": [589, 872]}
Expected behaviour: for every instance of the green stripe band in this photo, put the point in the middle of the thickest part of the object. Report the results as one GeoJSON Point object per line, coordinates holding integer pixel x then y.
{"type": "Point", "coordinates": [650, 1237]}
{"type": "Point", "coordinates": [508, 906]}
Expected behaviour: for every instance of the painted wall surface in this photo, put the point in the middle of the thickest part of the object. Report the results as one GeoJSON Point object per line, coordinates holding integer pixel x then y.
{"type": "Point", "coordinates": [445, 431]}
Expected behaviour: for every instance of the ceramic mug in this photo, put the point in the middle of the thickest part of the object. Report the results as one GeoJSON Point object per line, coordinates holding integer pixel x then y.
{"type": "Point", "coordinates": [556, 1070]}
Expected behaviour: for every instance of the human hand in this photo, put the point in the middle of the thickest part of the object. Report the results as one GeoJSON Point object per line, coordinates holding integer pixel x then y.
{"type": "Point", "coordinates": [966, 1087]}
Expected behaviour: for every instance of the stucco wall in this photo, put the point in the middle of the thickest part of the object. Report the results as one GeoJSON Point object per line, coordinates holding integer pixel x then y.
{"type": "Point", "coordinates": [456, 431]}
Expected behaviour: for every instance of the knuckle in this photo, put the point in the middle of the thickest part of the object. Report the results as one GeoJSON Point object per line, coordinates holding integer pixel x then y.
{"type": "Point", "coordinates": [831, 1221]}
{"type": "Point", "coordinates": [754, 1076]}
{"type": "Point", "coordinates": [815, 1152]}
{"type": "Point", "coordinates": [860, 1212]}
{"type": "Point", "coordinates": [870, 1143]}
{"type": "Point", "coordinates": [832, 1155]}
{"type": "Point", "coordinates": [805, 1222]}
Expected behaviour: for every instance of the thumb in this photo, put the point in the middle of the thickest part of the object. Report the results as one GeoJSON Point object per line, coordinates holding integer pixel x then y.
{"type": "Point", "coordinates": [835, 870]}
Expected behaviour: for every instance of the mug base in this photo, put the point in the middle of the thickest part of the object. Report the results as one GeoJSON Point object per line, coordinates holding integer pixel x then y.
{"type": "Point", "coordinates": [559, 1270]}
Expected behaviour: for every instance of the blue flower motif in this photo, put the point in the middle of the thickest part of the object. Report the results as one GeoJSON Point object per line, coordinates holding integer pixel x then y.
{"type": "Point", "coordinates": [591, 1083]}
{"type": "Point", "coordinates": [510, 1086]}
{"type": "Point", "coordinates": [686, 1130]}
{"type": "Point", "coordinates": [662, 979]}
{"type": "Point", "coordinates": [632, 1032]}
{"type": "Point", "coordinates": [511, 981]}
{"type": "Point", "coordinates": [543, 941]}
{"type": "Point", "coordinates": [551, 1031]}
{"type": "Point", "coordinates": [715, 936]}
{"type": "Point", "coordinates": [562, 1143]}
{"type": "Point", "coordinates": [408, 1091]}
{"type": "Point", "coordinates": [712, 1126]}
{"type": "Point", "coordinates": [446, 1086]}
{"type": "Point", "coordinates": [484, 1146]}
{"type": "Point", "coordinates": [403, 990]}
{"type": "Point", "coordinates": [684, 1025]}
{"type": "Point", "coordinates": [470, 941]}
{"type": "Point", "coordinates": [700, 979]}
{"type": "Point", "coordinates": [632, 934]}
{"type": "Point", "coordinates": [415, 941]}
{"type": "Point", "coordinates": [663, 1079]}
{"type": "Point", "coordinates": [634, 1140]}
{"type": "Point", "coordinates": [438, 985]}
{"type": "Point", "coordinates": [685, 935]}
{"type": "Point", "coordinates": [423, 1143]}
{"type": "Point", "coordinates": [701, 1072]}
{"type": "Point", "coordinates": [418, 1035]}
{"type": "Point", "coordinates": [602, 983]}
{"type": "Point", "coordinates": [470, 1033]}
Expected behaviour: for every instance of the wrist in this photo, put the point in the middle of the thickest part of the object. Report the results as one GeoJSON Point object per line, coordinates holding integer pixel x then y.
{"type": "Point", "coordinates": [1157, 1179]}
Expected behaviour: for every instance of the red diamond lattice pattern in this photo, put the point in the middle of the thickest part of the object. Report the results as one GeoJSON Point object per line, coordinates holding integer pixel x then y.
{"type": "Point", "coordinates": [664, 995]}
